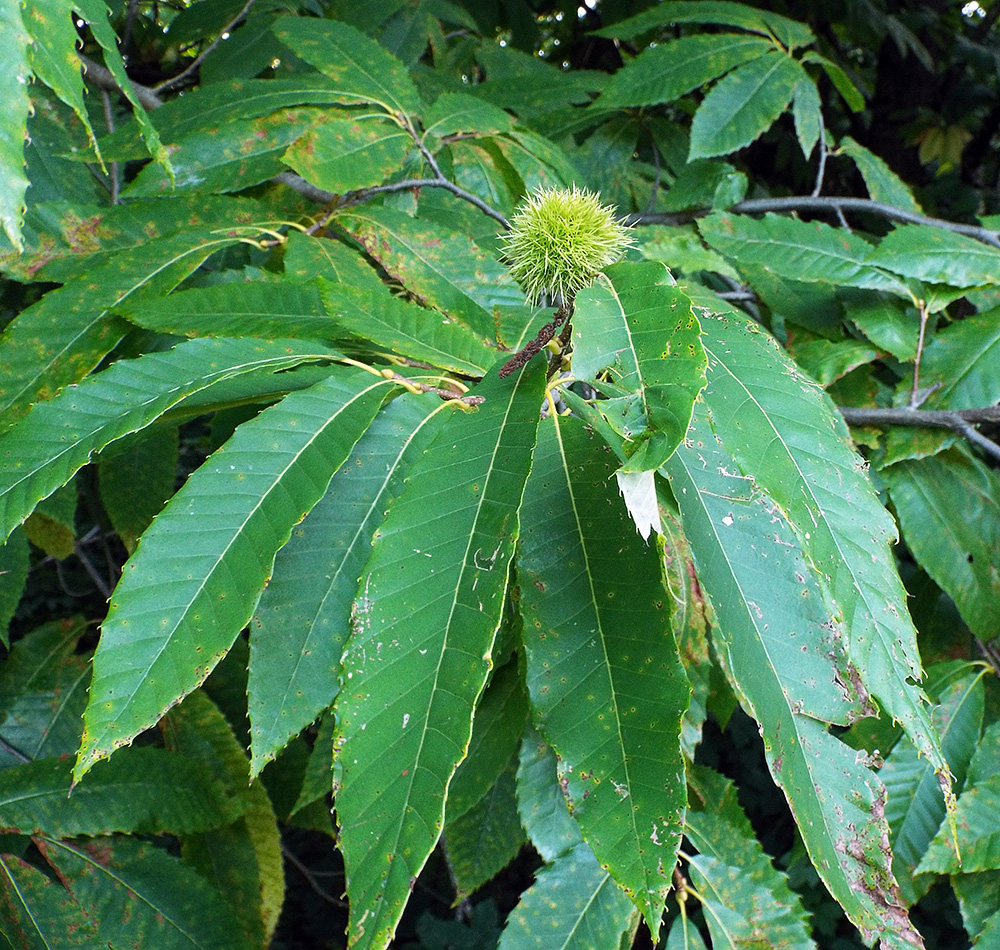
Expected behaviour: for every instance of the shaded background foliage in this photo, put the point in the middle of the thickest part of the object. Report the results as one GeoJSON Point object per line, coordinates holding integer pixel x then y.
{"type": "Point", "coordinates": [911, 123]}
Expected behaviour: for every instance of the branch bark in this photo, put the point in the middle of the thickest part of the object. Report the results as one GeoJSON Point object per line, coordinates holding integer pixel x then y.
{"type": "Point", "coordinates": [102, 77]}
{"type": "Point", "coordinates": [829, 204]}
{"type": "Point", "coordinates": [962, 421]}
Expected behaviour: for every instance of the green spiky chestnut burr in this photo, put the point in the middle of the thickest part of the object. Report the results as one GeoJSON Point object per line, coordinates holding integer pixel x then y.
{"type": "Point", "coordinates": [560, 240]}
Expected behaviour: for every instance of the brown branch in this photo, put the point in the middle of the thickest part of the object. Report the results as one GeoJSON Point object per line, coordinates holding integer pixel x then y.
{"type": "Point", "coordinates": [178, 79]}
{"type": "Point", "coordinates": [961, 421]}
{"type": "Point", "coordinates": [351, 198]}
{"type": "Point", "coordinates": [819, 203]}
{"type": "Point", "coordinates": [521, 357]}
{"type": "Point", "coordinates": [103, 78]}
{"type": "Point", "coordinates": [447, 394]}
{"type": "Point", "coordinates": [13, 751]}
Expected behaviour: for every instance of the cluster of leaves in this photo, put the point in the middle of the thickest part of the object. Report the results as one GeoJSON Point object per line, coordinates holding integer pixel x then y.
{"type": "Point", "coordinates": [485, 612]}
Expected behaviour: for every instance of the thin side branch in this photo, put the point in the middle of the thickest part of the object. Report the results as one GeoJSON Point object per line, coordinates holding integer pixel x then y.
{"type": "Point", "coordinates": [962, 421]}
{"type": "Point", "coordinates": [521, 357]}
{"type": "Point", "coordinates": [13, 751]}
{"type": "Point", "coordinates": [821, 170]}
{"type": "Point", "coordinates": [351, 198]}
{"type": "Point", "coordinates": [446, 394]}
{"type": "Point", "coordinates": [101, 76]}
{"type": "Point", "coordinates": [829, 204]}
{"type": "Point", "coordinates": [179, 79]}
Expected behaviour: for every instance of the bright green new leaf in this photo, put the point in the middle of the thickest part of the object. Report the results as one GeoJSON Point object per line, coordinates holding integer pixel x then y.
{"type": "Point", "coordinates": [141, 896]}
{"type": "Point", "coordinates": [786, 661]}
{"type": "Point", "coordinates": [787, 437]}
{"type": "Point", "coordinates": [217, 539]}
{"type": "Point", "coordinates": [360, 68]}
{"type": "Point", "coordinates": [345, 154]}
{"type": "Point", "coordinates": [798, 250]}
{"type": "Point", "coordinates": [637, 330]}
{"type": "Point", "coordinates": [664, 73]}
{"type": "Point", "coordinates": [937, 256]}
{"type": "Point", "coordinates": [603, 670]}
{"type": "Point", "coordinates": [59, 437]}
{"type": "Point", "coordinates": [789, 32]}
{"type": "Point", "coordinates": [142, 791]}
{"type": "Point", "coordinates": [949, 511]}
{"type": "Point", "coordinates": [744, 104]}
{"type": "Point", "coordinates": [426, 614]}
{"type": "Point", "coordinates": [303, 619]}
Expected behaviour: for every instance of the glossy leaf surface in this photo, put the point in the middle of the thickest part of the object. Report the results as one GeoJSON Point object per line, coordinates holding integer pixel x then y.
{"type": "Point", "coordinates": [59, 437]}
{"type": "Point", "coordinates": [785, 437]}
{"type": "Point", "coordinates": [361, 69]}
{"type": "Point", "coordinates": [428, 608]}
{"type": "Point", "coordinates": [602, 659]}
{"type": "Point", "coordinates": [744, 104]}
{"type": "Point", "coordinates": [224, 528]}
{"type": "Point", "coordinates": [664, 73]}
{"type": "Point", "coordinates": [303, 619]}
{"type": "Point", "coordinates": [639, 332]}
{"type": "Point", "coordinates": [787, 666]}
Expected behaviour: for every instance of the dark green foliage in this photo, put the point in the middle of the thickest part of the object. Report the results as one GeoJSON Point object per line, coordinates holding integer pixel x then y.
{"type": "Point", "coordinates": [609, 650]}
